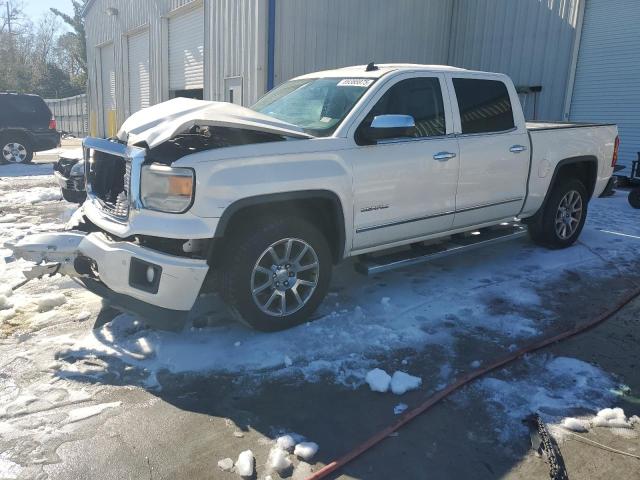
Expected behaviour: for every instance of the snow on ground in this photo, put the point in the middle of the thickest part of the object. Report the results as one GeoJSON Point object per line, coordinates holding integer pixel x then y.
{"type": "Point", "coordinates": [492, 297]}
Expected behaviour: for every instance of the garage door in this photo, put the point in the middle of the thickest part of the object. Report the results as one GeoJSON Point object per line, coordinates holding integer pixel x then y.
{"type": "Point", "coordinates": [607, 84]}
{"type": "Point", "coordinates": [138, 71]}
{"type": "Point", "coordinates": [186, 51]}
{"type": "Point", "coordinates": [108, 77]}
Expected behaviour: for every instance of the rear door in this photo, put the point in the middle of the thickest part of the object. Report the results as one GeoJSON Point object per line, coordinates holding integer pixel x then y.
{"type": "Point", "coordinates": [494, 156]}
{"type": "Point", "coordinates": [404, 188]}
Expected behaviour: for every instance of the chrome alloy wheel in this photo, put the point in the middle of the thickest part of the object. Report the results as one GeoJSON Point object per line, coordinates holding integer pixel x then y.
{"type": "Point", "coordinates": [568, 215]}
{"type": "Point", "coordinates": [14, 152]}
{"type": "Point", "coordinates": [285, 277]}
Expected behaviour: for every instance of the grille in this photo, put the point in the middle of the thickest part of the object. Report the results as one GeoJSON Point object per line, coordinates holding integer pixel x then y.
{"type": "Point", "coordinates": [110, 177]}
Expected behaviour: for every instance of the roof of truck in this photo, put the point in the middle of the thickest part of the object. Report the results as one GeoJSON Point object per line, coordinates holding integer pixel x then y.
{"type": "Point", "coordinates": [380, 70]}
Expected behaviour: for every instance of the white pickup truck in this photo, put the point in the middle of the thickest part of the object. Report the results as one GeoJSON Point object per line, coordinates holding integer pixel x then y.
{"type": "Point", "coordinates": [259, 203]}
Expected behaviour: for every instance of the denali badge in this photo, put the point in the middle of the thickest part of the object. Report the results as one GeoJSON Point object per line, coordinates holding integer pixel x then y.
{"type": "Point", "coordinates": [373, 207]}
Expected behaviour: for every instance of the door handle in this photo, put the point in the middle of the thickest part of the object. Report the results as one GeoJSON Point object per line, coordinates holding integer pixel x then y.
{"type": "Point", "coordinates": [517, 148]}
{"type": "Point", "coordinates": [443, 155]}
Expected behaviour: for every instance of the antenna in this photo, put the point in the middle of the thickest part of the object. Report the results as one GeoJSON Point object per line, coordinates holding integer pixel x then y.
{"type": "Point", "coordinates": [371, 67]}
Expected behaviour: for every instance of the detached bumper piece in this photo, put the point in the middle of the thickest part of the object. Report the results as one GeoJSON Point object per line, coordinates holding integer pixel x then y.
{"type": "Point", "coordinates": [156, 285]}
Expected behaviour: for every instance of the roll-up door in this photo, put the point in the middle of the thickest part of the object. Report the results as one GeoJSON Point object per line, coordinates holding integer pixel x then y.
{"type": "Point", "coordinates": [186, 51]}
{"type": "Point", "coordinates": [607, 81]}
{"type": "Point", "coordinates": [108, 80]}
{"type": "Point", "coordinates": [138, 71]}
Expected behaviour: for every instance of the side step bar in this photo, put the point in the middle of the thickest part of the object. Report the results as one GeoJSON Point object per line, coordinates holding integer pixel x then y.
{"type": "Point", "coordinates": [371, 264]}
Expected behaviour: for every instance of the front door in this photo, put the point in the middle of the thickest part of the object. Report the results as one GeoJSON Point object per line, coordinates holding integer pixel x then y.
{"type": "Point", "coordinates": [404, 188]}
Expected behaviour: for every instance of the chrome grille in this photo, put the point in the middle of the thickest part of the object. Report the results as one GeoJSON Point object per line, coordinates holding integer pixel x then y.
{"type": "Point", "coordinates": [116, 204]}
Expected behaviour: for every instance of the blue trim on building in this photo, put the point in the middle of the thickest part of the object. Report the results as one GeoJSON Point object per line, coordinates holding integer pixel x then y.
{"type": "Point", "coordinates": [271, 45]}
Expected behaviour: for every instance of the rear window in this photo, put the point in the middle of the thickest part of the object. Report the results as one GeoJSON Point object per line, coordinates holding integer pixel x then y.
{"type": "Point", "coordinates": [25, 104]}
{"type": "Point", "coordinates": [484, 105]}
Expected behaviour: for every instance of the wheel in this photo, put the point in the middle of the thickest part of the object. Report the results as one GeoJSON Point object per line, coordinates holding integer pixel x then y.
{"type": "Point", "coordinates": [275, 272]}
{"type": "Point", "coordinates": [15, 150]}
{"type": "Point", "coordinates": [564, 214]}
{"type": "Point", "coordinates": [634, 198]}
{"type": "Point", "coordinates": [73, 196]}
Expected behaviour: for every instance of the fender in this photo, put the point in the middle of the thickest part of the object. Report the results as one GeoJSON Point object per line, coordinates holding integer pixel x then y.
{"type": "Point", "coordinates": [567, 161]}
{"type": "Point", "coordinates": [259, 200]}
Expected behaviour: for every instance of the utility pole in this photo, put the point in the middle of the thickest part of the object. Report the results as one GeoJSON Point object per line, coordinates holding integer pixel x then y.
{"type": "Point", "coordinates": [8, 17]}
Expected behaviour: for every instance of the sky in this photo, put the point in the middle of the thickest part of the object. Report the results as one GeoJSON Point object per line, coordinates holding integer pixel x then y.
{"type": "Point", "coordinates": [34, 9]}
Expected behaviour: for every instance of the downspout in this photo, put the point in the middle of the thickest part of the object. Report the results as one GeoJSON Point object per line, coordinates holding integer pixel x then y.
{"type": "Point", "coordinates": [568, 96]}
{"type": "Point", "coordinates": [271, 45]}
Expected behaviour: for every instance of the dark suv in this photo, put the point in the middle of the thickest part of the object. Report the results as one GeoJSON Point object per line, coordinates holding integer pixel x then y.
{"type": "Point", "coordinates": [26, 126]}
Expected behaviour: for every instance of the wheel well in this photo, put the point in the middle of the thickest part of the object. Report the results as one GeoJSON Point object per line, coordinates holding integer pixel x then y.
{"type": "Point", "coordinates": [324, 211]}
{"type": "Point", "coordinates": [584, 169]}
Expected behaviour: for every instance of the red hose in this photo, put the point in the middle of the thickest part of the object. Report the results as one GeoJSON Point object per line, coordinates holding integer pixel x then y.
{"type": "Point", "coordinates": [462, 381]}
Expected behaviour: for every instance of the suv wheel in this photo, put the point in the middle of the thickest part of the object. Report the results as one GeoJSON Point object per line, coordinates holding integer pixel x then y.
{"type": "Point", "coordinates": [276, 273]}
{"type": "Point", "coordinates": [15, 150]}
{"type": "Point", "coordinates": [561, 221]}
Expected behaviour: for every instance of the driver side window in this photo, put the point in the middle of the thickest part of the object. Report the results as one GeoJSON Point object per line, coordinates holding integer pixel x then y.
{"type": "Point", "coordinates": [419, 97]}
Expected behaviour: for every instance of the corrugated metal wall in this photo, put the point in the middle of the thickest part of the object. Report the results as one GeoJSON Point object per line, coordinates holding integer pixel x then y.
{"type": "Point", "coordinates": [321, 34]}
{"type": "Point", "coordinates": [235, 46]}
{"type": "Point", "coordinates": [607, 80]}
{"type": "Point", "coordinates": [530, 40]}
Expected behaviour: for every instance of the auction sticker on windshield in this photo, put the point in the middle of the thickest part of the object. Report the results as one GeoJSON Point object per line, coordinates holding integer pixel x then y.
{"type": "Point", "coordinates": [355, 82]}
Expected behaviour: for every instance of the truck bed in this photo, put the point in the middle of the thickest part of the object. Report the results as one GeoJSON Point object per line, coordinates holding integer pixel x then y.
{"type": "Point", "coordinates": [560, 125]}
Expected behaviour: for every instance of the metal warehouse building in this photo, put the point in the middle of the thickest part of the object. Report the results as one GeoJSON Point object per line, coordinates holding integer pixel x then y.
{"type": "Point", "coordinates": [583, 53]}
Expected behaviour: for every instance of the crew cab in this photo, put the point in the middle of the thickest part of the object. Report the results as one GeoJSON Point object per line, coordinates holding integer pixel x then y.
{"type": "Point", "coordinates": [259, 203]}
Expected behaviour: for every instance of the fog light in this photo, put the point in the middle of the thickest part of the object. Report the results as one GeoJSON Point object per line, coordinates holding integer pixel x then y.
{"type": "Point", "coordinates": [150, 274]}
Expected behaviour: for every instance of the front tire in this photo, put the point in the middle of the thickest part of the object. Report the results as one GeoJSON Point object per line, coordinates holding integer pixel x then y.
{"type": "Point", "coordinates": [275, 272]}
{"type": "Point", "coordinates": [560, 222]}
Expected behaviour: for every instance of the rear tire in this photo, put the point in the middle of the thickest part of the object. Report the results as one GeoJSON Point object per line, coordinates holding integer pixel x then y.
{"type": "Point", "coordinates": [634, 198]}
{"type": "Point", "coordinates": [14, 149]}
{"type": "Point", "coordinates": [270, 259]}
{"type": "Point", "coordinates": [560, 222]}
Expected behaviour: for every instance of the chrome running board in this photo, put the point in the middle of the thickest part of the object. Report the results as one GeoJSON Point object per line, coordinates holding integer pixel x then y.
{"type": "Point", "coordinates": [371, 264]}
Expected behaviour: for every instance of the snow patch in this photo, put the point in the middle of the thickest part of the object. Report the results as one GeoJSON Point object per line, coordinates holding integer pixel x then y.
{"type": "Point", "coordinates": [5, 303]}
{"type": "Point", "coordinates": [306, 450]}
{"type": "Point", "coordinates": [51, 300]}
{"type": "Point", "coordinates": [88, 412]}
{"type": "Point", "coordinates": [400, 408]}
{"type": "Point", "coordinates": [286, 442]}
{"type": "Point", "coordinates": [378, 380]}
{"type": "Point", "coordinates": [402, 382]}
{"type": "Point", "coordinates": [31, 196]}
{"type": "Point", "coordinates": [245, 463]}
{"type": "Point", "coordinates": [575, 424]}
{"type": "Point", "coordinates": [226, 464]}
{"type": "Point", "coordinates": [279, 459]}
{"type": "Point", "coordinates": [612, 418]}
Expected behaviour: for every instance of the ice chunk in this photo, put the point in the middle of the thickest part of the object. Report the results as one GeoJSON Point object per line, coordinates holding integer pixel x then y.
{"type": "Point", "coordinates": [475, 364]}
{"type": "Point", "coordinates": [286, 442]}
{"type": "Point", "coordinates": [399, 408]}
{"type": "Point", "coordinates": [245, 464]}
{"type": "Point", "coordinates": [575, 424]}
{"type": "Point", "coordinates": [5, 303]}
{"type": "Point", "coordinates": [278, 459]}
{"type": "Point", "coordinates": [402, 382]}
{"type": "Point", "coordinates": [226, 464]}
{"type": "Point", "coordinates": [287, 361]}
{"type": "Point", "coordinates": [611, 417]}
{"type": "Point", "coordinates": [306, 450]}
{"type": "Point", "coordinates": [51, 300]}
{"type": "Point", "coordinates": [378, 380]}
{"type": "Point", "coordinates": [87, 412]}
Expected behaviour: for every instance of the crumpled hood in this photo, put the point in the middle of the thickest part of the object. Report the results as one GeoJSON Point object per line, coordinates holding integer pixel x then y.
{"type": "Point", "coordinates": [159, 123]}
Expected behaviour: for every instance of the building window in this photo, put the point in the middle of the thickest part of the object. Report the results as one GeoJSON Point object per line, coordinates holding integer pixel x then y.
{"type": "Point", "coordinates": [484, 105]}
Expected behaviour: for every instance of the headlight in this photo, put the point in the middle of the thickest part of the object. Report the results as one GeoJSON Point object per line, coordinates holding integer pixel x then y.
{"type": "Point", "coordinates": [166, 189]}
{"type": "Point", "coordinates": [77, 170]}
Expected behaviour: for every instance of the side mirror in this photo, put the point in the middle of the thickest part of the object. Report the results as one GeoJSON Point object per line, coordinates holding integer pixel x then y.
{"type": "Point", "coordinates": [391, 126]}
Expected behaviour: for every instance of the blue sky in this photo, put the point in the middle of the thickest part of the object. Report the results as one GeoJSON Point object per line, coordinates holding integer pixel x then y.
{"type": "Point", "coordinates": [34, 9]}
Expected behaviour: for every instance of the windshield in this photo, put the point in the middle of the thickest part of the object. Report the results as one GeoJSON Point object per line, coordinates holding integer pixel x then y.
{"type": "Point", "coordinates": [317, 105]}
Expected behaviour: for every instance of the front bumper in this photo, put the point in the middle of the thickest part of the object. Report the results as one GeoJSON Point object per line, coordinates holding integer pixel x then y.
{"type": "Point", "coordinates": [121, 267]}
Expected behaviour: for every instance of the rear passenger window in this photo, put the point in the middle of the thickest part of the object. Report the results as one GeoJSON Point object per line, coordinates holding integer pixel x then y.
{"type": "Point", "coordinates": [419, 97]}
{"type": "Point", "coordinates": [484, 105]}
